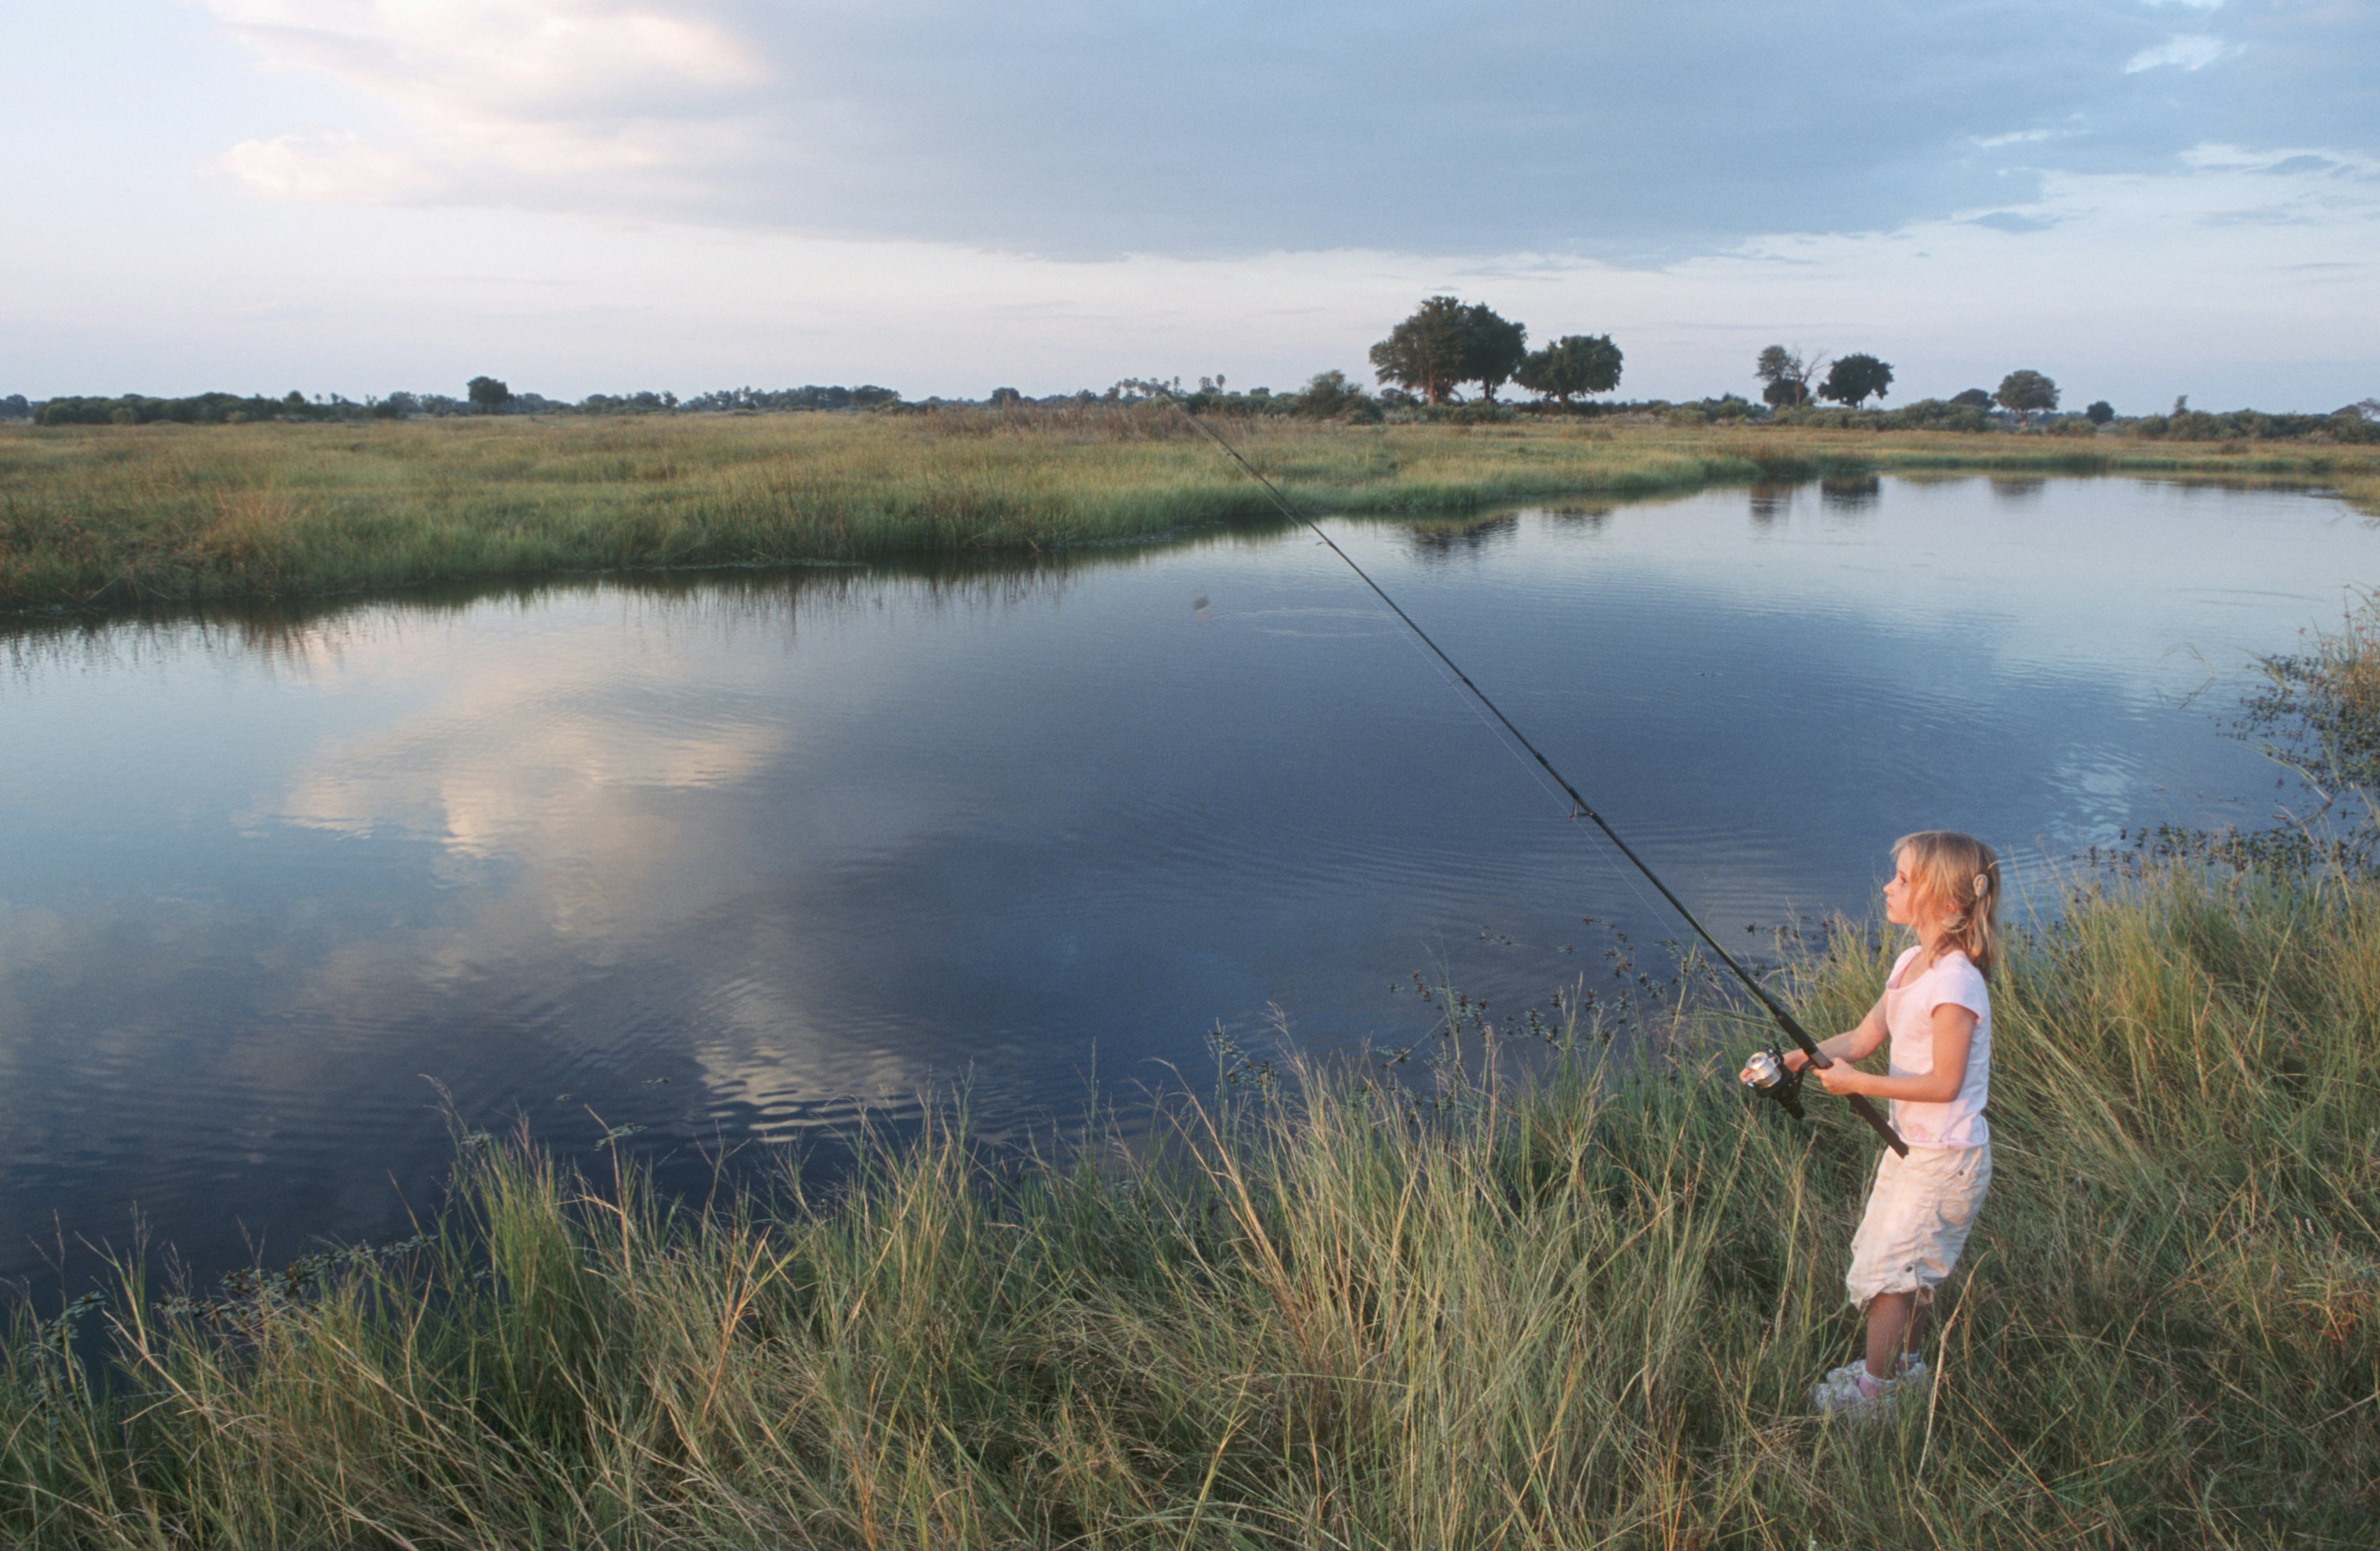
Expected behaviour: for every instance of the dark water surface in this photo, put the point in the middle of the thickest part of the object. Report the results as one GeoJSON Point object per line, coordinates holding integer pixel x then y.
{"type": "Point", "coordinates": [735, 859]}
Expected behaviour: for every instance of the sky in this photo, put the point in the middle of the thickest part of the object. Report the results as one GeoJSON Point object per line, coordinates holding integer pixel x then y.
{"type": "Point", "coordinates": [2142, 198]}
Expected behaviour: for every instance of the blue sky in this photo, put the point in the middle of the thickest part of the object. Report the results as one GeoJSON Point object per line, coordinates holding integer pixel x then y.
{"type": "Point", "coordinates": [2143, 199]}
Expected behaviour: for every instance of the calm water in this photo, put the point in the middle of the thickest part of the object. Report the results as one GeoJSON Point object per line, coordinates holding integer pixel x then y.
{"type": "Point", "coordinates": [737, 859]}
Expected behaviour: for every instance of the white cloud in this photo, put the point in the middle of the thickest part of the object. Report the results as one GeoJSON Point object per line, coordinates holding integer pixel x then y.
{"type": "Point", "coordinates": [498, 92]}
{"type": "Point", "coordinates": [2189, 51]}
{"type": "Point", "coordinates": [331, 168]}
{"type": "Point", "coordinates": [505, 59]}
{"type": "Point", "coordinates": [1090, 128]}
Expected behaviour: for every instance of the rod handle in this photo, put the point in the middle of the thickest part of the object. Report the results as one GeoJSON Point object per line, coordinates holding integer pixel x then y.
{"type": "Point", "coordinates": [1860, 1104]}
{"type": "Point", "coordinates": [1877, 1122]}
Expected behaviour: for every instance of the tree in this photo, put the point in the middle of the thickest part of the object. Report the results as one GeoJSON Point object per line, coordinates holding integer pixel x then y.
{"type": "Point", "coordinates": [2100, 412]}
{"type": "Point", "coordinates": [1446, 342]}
{"type": "Point", "coordinates": [1856, 378]}
{"type": "Point", "coordinates": [1494, 347]}
{"type": "Point", "coordinates": [487, 395]}
{"type": "Point", "coordinates": [1787, 376]}
{"type": "Point", "coordinates": [2023, 392]}
{"type": "Point", "coordinates": [1573, 364]}
{"type": "Point", "coordinates": [1424, 354]}
{"type": "Point", "coordinates": [1974, 398]}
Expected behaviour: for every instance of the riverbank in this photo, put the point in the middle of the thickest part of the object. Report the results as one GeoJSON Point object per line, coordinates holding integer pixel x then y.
{"type": "Point", "coordinates": [112, 517]}
{"type": "Point", "coordinates": [1581, 1314]}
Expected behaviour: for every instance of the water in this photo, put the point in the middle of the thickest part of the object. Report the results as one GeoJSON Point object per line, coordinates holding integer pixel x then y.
{"type": "Point", "coordinates": [739, 860]}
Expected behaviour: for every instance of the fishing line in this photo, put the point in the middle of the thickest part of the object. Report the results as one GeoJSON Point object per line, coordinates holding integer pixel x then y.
{"type": "Point", "coordinates": [1579, 807]}
{"type": "Point", "coordinates": [1626, 878]}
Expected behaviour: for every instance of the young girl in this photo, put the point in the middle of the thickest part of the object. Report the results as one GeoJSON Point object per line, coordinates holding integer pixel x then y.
{"type": "Point", "coordinates": [1946, 888]}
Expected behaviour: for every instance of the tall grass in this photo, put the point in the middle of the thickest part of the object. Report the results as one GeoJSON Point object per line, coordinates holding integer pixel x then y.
{"type": "Point", "coordinates": [1582, 1311]}
{"type": "Point", "coordinates": [108, 517]}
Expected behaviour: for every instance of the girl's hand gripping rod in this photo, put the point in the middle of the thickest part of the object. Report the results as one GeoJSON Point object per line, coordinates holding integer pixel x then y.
{"type": "Point", "coordinates": [1764, 1074]}
{"type": "Point", "coordinates": [1782, 1087]}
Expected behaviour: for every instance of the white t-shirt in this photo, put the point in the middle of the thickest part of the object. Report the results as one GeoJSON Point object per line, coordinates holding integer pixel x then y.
{"type": "Point", "coordinates": [1909, 1015]}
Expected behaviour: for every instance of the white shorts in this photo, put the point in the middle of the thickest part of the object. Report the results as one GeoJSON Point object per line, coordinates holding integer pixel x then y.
{"type": "Point", "coordinates": [1918, 1216]}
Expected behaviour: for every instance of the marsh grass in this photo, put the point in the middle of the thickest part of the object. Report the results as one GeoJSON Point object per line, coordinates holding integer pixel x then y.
{"type": "Point", "coordinates": [1579, 1311]}
{"type": "Point", "coordinates": [109, 517]}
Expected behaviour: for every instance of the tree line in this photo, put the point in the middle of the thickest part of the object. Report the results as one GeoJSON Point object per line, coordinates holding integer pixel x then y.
{"type": "Point", "coordinates": [1445, 346]}
{"type": "Point", "coordinates": [480, 395]}
{"type": "Point", "coordinates": [1791, 381]}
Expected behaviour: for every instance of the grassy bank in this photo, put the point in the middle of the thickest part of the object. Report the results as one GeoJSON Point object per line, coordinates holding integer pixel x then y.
{"type": "Point", "coordinates": [109, 517]}
{"type": "Point", "coordinates": [1583, 1314]}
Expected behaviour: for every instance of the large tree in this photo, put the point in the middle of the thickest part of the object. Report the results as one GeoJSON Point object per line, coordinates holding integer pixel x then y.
{"type": "Point", "coordinates": [488, 395]}
{"type": "Point", "coordinates": [2025, 392]}
{"type": "Point", "coordinates": [1573, 364]}
{"type": "Point", "coordinates": [1446, 342]}
{"type": "Point", "coordinates": [1787, 376]}
{"type": "Point", "coordinates": [1424, 354]}
{"type": "Point", "coordinates": [1494, 347]}
{"type": "Point", "coordinates": [1855, 379]}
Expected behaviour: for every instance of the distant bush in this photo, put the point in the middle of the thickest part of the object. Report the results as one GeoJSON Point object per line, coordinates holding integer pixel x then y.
{"type": "Point", "coordinates": [2349, 425]}
{"type": "Point", "coordinates": [205, 408]}
{"type": "Point", "coordinates": [1831, 420]}
{"type": "Point", "coordinates": [811, 397]}
{"type": "Point", "coordinates": [1939, 414]}
{"type": "Point", "coordinates": [15, 407]}
{"type": "Point", "coordinates": [1333, 396]}
{"type": "Point", "coordinates": [646, 403]}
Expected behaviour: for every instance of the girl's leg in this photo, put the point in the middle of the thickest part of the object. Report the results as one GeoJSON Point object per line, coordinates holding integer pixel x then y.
{"type": "Point", "coordinates": [1892, 1328]}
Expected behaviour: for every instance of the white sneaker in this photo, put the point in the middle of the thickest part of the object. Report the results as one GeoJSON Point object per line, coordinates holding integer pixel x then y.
{"type": "Point", "coordinates": [1851, 1394]}
{"type": "Point", "coordinates": [1913, 1370]}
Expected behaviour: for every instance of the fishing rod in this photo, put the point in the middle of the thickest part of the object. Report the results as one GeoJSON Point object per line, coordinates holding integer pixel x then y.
{"type": "Point", "coordinates": [1765, 1074]}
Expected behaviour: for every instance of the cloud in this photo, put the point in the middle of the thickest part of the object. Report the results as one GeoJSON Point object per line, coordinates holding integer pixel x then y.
{"type": "Point", "coordinates": [333, 168]}
{"type": "Point", "coordinates": [1087, 129]}
{"type": "Point", "coordinates": [2189, 51]}
{"type": "Point", "coordinates": [507, 59]}
{"type": "Point", "coordinates": [502, 97]}
{"type": "Point", "coordinates": [2013, 222]}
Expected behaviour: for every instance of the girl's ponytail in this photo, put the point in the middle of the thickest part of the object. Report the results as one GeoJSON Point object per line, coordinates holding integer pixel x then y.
{"type": "Point", "coordinates": [1959, 878]}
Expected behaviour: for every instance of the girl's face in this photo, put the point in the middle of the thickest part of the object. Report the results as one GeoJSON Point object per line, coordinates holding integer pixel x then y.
{"type": "Point", "coordinates": [1901, 905]}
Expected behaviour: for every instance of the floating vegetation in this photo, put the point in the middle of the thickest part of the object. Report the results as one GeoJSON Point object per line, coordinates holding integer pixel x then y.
{"type": "Point", "coordinates": [2316, 716]}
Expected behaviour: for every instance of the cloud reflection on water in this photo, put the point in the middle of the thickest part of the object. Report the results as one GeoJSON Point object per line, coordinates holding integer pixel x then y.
{"type": "Point", "coordinates": [809, 846]}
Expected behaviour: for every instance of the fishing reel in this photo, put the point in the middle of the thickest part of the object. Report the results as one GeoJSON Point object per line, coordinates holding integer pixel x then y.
{"type": "Point", "coordinates": [1767, 1075]}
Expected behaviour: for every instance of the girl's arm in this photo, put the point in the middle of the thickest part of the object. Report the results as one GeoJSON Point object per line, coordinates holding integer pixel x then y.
{"type": "Point", "coordinates": [1954, 1034]}
{"type": "Point", "coordinates": [1857, 1045]}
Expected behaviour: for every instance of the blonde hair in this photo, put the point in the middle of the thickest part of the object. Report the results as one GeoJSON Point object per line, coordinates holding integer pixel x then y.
{"type": "Point", "coordinates": [1959, 879]}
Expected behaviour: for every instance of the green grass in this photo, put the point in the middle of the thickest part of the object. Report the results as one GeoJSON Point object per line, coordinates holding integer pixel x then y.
{"type": "Point", "coordinates": [110, 517]}
{"type": "Point", "coordinates": [1583, 1311]}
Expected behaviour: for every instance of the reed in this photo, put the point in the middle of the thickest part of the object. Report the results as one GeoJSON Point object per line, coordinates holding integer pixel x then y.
{"type": "Point", "coordinates": [1578, 1311]}
{"type": "Point", "coordinates": [108, 517]}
